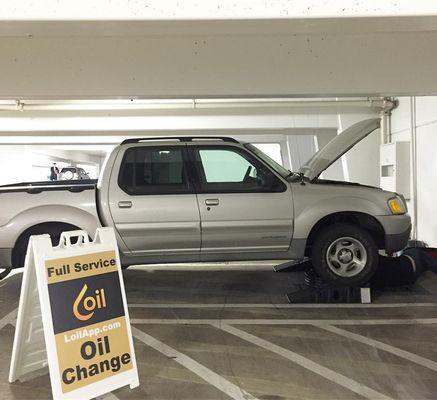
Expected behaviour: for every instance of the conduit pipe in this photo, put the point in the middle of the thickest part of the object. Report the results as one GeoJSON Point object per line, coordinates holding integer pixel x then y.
{"type": "Point", "coordinates": [382, 104]}
{"type": "Point", "coordinates": [388, 105]}
{"type": "Point", "coordinates": [413, 122]}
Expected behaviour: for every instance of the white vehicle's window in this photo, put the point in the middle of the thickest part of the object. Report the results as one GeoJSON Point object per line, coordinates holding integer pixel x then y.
{"type": "Point", "coordinates": [229, 170]}
{"type": "Point", "coordinates": [148, 170]}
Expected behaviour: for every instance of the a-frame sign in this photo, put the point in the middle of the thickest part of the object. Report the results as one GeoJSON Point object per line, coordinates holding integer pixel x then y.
{"type": "Point", "coordinates": [73, 316]}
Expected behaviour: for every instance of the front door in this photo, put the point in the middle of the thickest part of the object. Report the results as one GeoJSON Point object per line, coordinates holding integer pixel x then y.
{"type": "Point", "coordinates": [244, 206]}
{"type": "Point", "coordinates": [152, 202]}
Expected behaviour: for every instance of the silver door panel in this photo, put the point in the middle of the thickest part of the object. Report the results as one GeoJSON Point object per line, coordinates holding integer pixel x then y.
{"type": "Point", "coordinates": [154, 224]}
{"type": "Point", "coordinates": [246, 222]}
{"type": "Point", "coordinates": [163, 237]}
{"type": "Point", "coordinates": [158, 223]}
{"type": "Point", "coordinates": [246, 235]}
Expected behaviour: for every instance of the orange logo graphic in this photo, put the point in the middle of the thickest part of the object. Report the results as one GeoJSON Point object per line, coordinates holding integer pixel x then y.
{"type": "Point", "coordinates": [89, 303]}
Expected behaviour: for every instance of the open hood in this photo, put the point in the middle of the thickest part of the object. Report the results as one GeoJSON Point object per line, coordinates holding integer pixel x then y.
{"type": "Point", "coordinates": [337, 147]}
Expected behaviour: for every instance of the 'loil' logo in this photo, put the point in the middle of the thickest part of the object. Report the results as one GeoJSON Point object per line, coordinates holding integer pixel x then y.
{"type": "Point", "coordinates": [89, 303]}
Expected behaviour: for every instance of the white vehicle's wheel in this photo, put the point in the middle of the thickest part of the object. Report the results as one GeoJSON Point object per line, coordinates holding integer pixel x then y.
{"type": "Point", "coordinates": [345, 254]}
{"type": "Point", "coordinates": [68, 175]}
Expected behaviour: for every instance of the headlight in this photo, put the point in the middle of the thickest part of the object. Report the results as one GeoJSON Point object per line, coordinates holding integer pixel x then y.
{"type": "Point", "coordinates": [396, 206]}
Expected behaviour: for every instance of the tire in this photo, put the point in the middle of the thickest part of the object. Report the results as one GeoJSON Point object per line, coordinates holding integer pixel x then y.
{"type": "Point", "coordinates": [344, 254]}
{"type": "Point", "coordinates": [52, 228]}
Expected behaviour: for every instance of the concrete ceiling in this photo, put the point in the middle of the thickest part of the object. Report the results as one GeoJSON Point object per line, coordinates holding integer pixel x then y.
{"type": "Point", "coordinates": [89, 150]}
{"type": "Point", "coordinates": [211, 9]}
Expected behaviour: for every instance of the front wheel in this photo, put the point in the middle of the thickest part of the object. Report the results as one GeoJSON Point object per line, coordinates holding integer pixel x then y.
{"type": "Point", "coordinates": [345, 255]}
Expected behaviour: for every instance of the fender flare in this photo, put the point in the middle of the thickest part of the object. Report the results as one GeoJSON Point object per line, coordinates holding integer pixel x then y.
{"type": "Point", "coordinates": [311, 215]}
{"type": "Point", "coordinates": [51, 214]}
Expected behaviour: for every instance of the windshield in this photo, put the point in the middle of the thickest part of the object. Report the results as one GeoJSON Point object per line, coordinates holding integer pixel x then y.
{"type": "Point", "coordinates": [270, 162]}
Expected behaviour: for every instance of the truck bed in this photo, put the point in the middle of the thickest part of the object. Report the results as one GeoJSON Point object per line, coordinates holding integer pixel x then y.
{"type": "Point", "coordinates": [42, 186]}
{"type": "Point", "coordinates": [28, 204]}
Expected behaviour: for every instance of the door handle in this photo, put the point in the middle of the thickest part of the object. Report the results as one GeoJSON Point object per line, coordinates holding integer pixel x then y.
{"type": "Point", "coordinates": [212, 202]}
{"type": "Point", "coordinates": [124, 204]}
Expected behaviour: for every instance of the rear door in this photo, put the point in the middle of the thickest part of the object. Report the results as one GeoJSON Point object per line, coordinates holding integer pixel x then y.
{"type": "Point", "coordinates": [152, 201]}
{"type": "Point", "coordinates": [244, 206]}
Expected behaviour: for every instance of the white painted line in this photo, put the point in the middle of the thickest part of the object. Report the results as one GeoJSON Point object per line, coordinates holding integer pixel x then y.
{"type": "Point", "coordinates": [418, 321]}
{"type": "Point", "coordinates": [424, 362]}
{"type": "Point", "coordinates": [14, 271]}
{"type": "Point", "coordinates": [306, 363]}
{"type": "Point", "coordinates": [281, 305]}
{"type": "Point", "coordinates": [9, 318]}
{"type": "Point", "coordinates": [203, 372]}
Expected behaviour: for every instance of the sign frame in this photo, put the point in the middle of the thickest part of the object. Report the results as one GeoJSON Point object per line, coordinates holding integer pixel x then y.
{"type": "Point", "coordinates": [40, 251]}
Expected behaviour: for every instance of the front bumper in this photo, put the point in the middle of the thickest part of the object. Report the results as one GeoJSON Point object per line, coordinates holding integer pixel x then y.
{"type": "Point", "coordinates": [397, 230]}
{"type": "Point", "coordinates": [397, 241]}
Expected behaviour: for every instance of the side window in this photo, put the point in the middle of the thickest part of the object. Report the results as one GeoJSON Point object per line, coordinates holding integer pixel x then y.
{"type": "Point", "coordinates": [229, 170]}
{"type": "Point", "coordinates": [151, 170]}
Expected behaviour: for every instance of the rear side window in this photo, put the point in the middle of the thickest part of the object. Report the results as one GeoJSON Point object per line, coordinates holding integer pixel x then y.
{"type": "Point", "coordinates": [68, 170]}
{"type": "Point", "coordinates": [149, 170]}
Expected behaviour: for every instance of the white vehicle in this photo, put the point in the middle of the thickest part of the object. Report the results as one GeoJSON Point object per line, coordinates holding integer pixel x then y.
{"type": "Point", "coordinates": [73, 174]}
{"type": "Point", "coordinates": [192, 199]}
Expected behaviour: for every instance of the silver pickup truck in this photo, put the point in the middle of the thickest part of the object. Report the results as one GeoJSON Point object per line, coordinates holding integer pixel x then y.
{"type": "Point", "coordinates": [191, 199]}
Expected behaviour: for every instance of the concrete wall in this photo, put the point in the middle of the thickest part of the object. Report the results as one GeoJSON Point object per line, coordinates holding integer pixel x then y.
{"type": "Point", "coordinates": [425, 123]}
{"type": "Point", "coordinates": [15, 164]}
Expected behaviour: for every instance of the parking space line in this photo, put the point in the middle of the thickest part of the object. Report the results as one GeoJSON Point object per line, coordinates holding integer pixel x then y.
{"type": "Point", "coordinates": [306, 363]}
{"type": "Point", "coordinates": [278, 321]}
{"type": "Point", "coordinates": [200, 370]}
{"type": "Point", "coordinates": [280, 305]}
{"type": "Point", "coordinates": [424, 362]}
{"type": "Point", "coordinates": [9, 318]}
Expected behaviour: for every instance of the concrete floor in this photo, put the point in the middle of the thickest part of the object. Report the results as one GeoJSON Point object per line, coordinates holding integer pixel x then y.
{"type": "Point", "coordinates": [220, 332]}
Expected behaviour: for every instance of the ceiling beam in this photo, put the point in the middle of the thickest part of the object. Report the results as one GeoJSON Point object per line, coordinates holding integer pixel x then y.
{"type": "Point", "coordinates": [256, 58]}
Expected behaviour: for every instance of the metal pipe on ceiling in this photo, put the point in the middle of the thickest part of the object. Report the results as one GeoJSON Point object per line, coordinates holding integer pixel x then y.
{"type": "Point", "coordinates": [413, 151]}
{"type": "Point", "coordinates": [386, 112]}
{"type": "Point", "coordinates": [141, 104]}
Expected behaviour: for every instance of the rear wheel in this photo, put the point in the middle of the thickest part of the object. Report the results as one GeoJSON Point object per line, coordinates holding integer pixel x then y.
{"type": "Point", "coordinates": [54, 229]}
{"type": "Point", "coordinates": [345, 255]}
